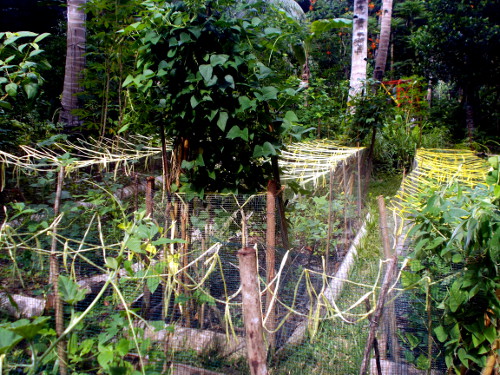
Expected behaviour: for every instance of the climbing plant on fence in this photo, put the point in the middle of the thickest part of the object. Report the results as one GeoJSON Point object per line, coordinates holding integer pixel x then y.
{"type": "Point", "coordinates": [456, 239]}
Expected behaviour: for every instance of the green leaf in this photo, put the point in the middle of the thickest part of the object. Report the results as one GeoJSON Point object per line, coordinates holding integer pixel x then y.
{"type": "Point", "coordinates": [106, 355]}
{"type": "Point", "coordinates": [218, 59]}
{"type": "Point", "coordinates": [163, 241]}
{"type": "Point", "coordinates": [36, 52]}
{"type": "Point", "coordinates": [412, 340]}
{"type": "Point", "coordinates": [23, 34]}
{"type": "Point", "coordinates": [123, 128]}
{"type": "Point", "coordinates": [152, 283]}
{"type": "Point", "coordinates": [271, 30]}
{"type": "Point", "coordinates": [206, 72]}
{"type": "Point", "coordinates": [194, 102]}
{"type": "Point", "coordinates": [184, 38]}
{"type": "Point", "coordinates": [441, 333]}
{"type": "Point", "coordinates": [31, 90]}
{"type": "Point", "coordinates": [436, 242]}
{"type": "Point", "coordinates": [246, 103]}
{"type": "Point", "coordinates": [11, 89]}
{"type": "Point", "coordinates": [291, 116]}
{"type": "Point", "coordinates": [490, 334]}
{"type": "Point", "coordinates": [324, 25]}
{"type": "Point", "coordinates": [236, 132]}
{"type": "Point", "coordinates": [123, 347]}
{"type": "Point", "coordinates": [4, 104]}
{"type": "Point", "coordinates": [128, 80]}
{"type": "Point", "coordinates": [28, 329]}
{"type": "Point", "coordinates": [267, 149]}
{"type": "Point", "coordinates": [222, 121]}
{"type": "Point", "coordinates": [462, 355]}
{"type": "Point", "coordinates": [70, 291]}
{"type": "Point", "coordinates": [111, 263]}
{"type": "Point", "coordinates": [134, 244]}
{"type": "Point", "coordinates": [421, 244]}
{"type": "Point", "coordinates": [477, 339]}
{"type": "Point", "coordinates": [229, 79]}
{"type": "Point", "coordinates": [269, 92]}
{"type": "Point", "coordinates": [8, 340]}
{"type": "Point", "coordinates": [494, 161]}
{"type": "Point", "coordinates": [422, 362]}
{"type": "Point", "coordinates": [41, 37]}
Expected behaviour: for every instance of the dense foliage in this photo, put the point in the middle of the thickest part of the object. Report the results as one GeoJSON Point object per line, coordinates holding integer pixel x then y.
{"type": "Point", "coordinates": [217, 84]}
{"type": "Point", "coordinates": [455, 261]}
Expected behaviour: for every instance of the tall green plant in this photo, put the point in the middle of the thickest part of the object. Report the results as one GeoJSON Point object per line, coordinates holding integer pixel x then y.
{"type": "Point", "coordinates": [216, 84]}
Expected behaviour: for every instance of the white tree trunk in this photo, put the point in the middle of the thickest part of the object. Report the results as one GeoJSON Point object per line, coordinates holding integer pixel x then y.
{"type": "Point", "coordinates": [359, 48]}
{"type": "Point", "coordinates": [75, 62]}
{"type": "Point", "coordinates": [385, 36]}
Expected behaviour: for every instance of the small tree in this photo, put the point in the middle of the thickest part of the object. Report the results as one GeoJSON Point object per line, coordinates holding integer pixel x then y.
{"type": "Point", "coordinates": [205, 81]}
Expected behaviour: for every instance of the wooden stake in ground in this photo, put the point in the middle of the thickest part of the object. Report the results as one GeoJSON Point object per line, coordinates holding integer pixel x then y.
{"type": "Point", "coordinates": [271, 260]}
{"type": "Point", "coordinates": [386, 283]}
{"type": "Point", "coordinates": [330, 224]}
{"type": "Point", "coordinates": [358, 160]}
{"type": "Point", "coordinates": [390, 315]}
{"type": "Point", "coordinates": [54, 278]}
{"type": "Point", "coordinates": [252, 311]}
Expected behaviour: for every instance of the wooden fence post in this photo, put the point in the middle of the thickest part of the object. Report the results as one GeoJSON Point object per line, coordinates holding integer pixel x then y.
{"type": "Point", "coordinates": [384, 289]}
{"type": "Point", "coordinates": [390, 315]}
{"type": "Point", "coordinates": [54, 279]}
{"type": "Point", "coordinates": [252, 311]}
{"type": "Point", "coordinates": [358, 157]}
{"type": "Point", "coordinates": [271, 260]}
{"type": "Point", "coordinates": [330, 223]}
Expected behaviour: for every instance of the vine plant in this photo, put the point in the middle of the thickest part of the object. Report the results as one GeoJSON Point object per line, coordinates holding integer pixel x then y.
{"type": "Point", "coordinates": [457, 252]}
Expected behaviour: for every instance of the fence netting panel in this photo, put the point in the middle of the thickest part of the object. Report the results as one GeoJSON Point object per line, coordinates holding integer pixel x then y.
{"type": "Point", "coordinates": [158, 288]}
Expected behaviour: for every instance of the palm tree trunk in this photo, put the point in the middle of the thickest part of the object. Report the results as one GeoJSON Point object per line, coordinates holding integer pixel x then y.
{"type": "Point", "coordinates": [359, 48]}
{"type": "Point", "coordinates": [75, 62]}
{"type": "Point", "coordinates": [385, 35]}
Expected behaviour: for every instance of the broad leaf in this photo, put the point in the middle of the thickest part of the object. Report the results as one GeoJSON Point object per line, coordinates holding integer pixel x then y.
{"type": "Point", "coordinates": [70, 291]}
{"type": "Point", "coordinates": [206, 72]}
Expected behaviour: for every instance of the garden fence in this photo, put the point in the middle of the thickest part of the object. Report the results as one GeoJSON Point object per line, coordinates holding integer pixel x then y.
{"type": "Point", "coordinates": [161, 288]}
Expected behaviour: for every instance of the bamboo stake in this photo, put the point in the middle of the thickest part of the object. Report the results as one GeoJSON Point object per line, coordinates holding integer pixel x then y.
{"type": "Point", "coordinates": [54, 278]}
{"type": "Point", "coordinates": [252, 311]}
{"type": "Point", "coordinates": [271, 260]}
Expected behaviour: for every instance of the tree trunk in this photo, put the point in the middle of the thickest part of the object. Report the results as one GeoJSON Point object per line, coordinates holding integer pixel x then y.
{"type": "Point", "coordinates": [75, 62]}
{"type": "Point", "coordinates": [385, 36]}
{"type": "Point", "coordinates": [359, 48]}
